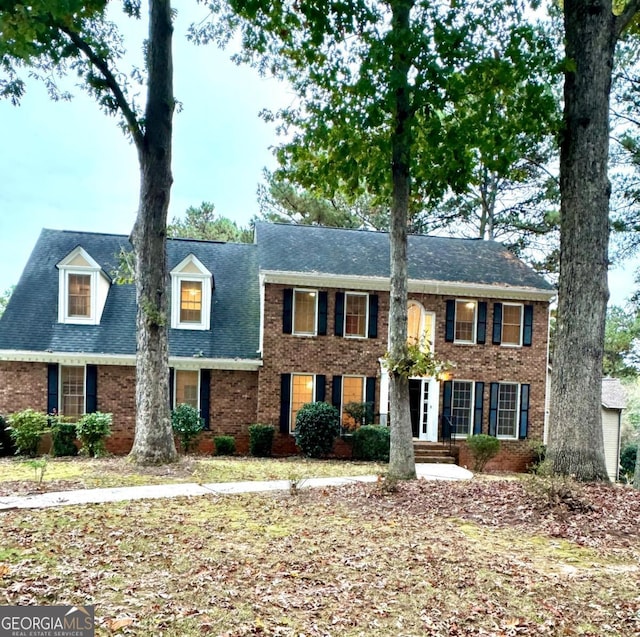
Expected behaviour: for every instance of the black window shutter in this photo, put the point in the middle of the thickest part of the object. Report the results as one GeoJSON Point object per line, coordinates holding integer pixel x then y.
{"type": "Point", "coordinates": [205, 397]}
{"type": "Point", "coordinates": [172, 376]}
{"type": "Point", "coordinates": [481, 332]}
{"type": "Point", "coordinates": [321, 388]}
{"type": "Point", "coordinates": [478, 409]}
{"type": "Point", "coordinates": [447, 391]}
{"type": "Point", "coordinates": [52, 388]}
{"type": "Point", "coordinates": [322, 313]}
{"type": "Point", "coordinates": [527, 332]}
{"type": "Point", "coordinates": [287, 311]}
{"type": "Point", "coordinates": [91, 399]}
{"type": "Point", "coordinates": [497, 323]}
{"type": "Point", "coordinates": [339, 324]}
{"type": "Point", "coordinates": [370, 391]}
{"type": "Point", "coordinates": [336, 392]}
{"type": "Point", "coordinates": [285, 402]}
{"type": "Point", "coordinates": [493, 409]}
{"type": "Point", "coordinates": [524, 411]}
{"type": "Point", "coordinates": [373, 316]}
{"type": "Point", "coordinates": [450, 321]}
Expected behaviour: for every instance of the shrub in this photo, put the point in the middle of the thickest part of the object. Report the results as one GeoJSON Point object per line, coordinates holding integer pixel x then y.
{"type": "Point", "coordinates": [371, 442]}
{"type": "Point", "coordinates": [628, 461]}
{"type": "Point", "coordinates": [187, 424]}
{"type": "Point", "coordinates": [7, 448]}
{"type": "Point", "coordinates": [63, 435]}
{"type": "Point", "coordinates": [225, 445]}
{"type": "Point", "coordinates": [26, 428]}
{"type": "Point", "coordinates": [261, 440]}
{"type": "Point", "coordinates": [539, 453]}
{"type": "Point", "coordinates": [317, 425]}
{"type": "Point", "coordinates": [482, 448]}
{"type": "Point", "coordinates": [361, 414]}
{"type": "Point", "coordinates": [92, 429]}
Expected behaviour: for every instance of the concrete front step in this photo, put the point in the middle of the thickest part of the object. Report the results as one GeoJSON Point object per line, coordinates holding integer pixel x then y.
{"type": "Point", "coordinates": [435, 459]}
{"type": "Point", "coordinates": [434, 452]}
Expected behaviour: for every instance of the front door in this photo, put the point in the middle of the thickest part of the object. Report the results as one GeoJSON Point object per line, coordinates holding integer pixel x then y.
{"type": "Point", "coordinates": [423, 401]}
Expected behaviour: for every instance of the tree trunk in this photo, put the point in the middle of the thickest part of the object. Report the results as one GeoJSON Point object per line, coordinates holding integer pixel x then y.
{"type": "Point", "coordinates": [153, 441]}
{"type": "Point", "coordinates": [636, 473]}
{"type": "Point", "coordinates": [402, 464]}
{"type": "Point", "coordinates": [575, 436]}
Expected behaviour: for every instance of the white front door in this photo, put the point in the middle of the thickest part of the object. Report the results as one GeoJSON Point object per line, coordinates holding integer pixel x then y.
{"type": "Point", "coordinates": [424, 408]}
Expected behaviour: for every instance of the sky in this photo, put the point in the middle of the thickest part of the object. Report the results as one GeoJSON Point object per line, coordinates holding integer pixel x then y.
{"type": "Point", "coordinates": [67, 165]}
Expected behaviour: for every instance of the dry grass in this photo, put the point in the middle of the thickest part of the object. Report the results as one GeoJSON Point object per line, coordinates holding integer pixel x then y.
{"type": "Point", "coordinates": [438, 559]}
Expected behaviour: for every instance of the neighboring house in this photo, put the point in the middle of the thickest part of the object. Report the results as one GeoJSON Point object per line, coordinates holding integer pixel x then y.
{"type": "Point", "coordinates": [257, 330]}
{"type": "Point", "coordinates": [614, 400]}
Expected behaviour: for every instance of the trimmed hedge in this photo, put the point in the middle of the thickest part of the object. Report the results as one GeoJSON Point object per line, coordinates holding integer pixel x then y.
{"type": "Point", "coordinates": [187, 425]}
{"type": "Point", "coordinates": [482, 447]}
{"type": "Point", "coordinates": [26, 429]}
{"type": "Point", "coordinates": [261, 440]}
{"type": "Point", "coordinates": [225, 445]}
{"type": "Point", "coordinates": [317, 426]}
{"type": "Point", "coordinates": [63, 435]}
{"type": "Point", "coordinates": [371, 442]}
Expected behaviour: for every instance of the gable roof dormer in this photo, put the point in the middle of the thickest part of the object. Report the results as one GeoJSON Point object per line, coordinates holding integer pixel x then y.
{"type": "Point", "coordinates": [191, 288]}
{"type": "Point", "coordinates": [83, 288]}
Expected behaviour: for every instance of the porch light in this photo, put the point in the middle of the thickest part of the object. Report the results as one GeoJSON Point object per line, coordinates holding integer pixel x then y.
{"type": "Point", "coordinates": [445, 375]}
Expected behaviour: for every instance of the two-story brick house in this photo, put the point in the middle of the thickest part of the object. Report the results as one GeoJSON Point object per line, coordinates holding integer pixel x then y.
{"type": "Point", "coordinates": [257, 330]}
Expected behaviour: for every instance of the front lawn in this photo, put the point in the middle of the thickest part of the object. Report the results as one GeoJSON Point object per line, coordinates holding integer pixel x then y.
{"type": "Point", "coordinates": [19, 476]}
{"type": "Point", "coordinates": [437, 559]}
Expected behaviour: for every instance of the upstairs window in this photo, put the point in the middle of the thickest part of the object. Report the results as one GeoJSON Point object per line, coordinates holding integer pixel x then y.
{"type": "Point", "coordinates": [511, 324]}
{"type": "Point", "coordinates": [355, 316]}
{"type": "Point", "coordinates": [305, 311]}
{"type": "Point", "coordinates": [191, 286]}
{"type": "Point", "coordinates": [83, 289]}
{"type": "Point", "coordinates": [465, 330]}
{"type": "Point", "coordinates": [420, 326]}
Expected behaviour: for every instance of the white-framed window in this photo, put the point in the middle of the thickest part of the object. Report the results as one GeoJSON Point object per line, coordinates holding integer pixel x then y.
{"type": "Point", "coordinates": [83, 289]}
{"type": "Point", "coordinates": [302, 392]}
{"type": "Point", "coordinates": [356, 314]}
{"type": "Point", "coordinates": [305, 312]}
{"type": "Point", "coordinates": [186, 388]}
{"type": "Point", "coordinates": [462, 397]}
{"type": "Point", "coordinates": [72, 391]}
{"type": "Point", "coordinates": [512, 322]}
{"type": "Point", "coordinates": [191, 285]}
{"type": "Point", "coordinates": [420, 326]}
{"type": "Point", "coordinates": [465, 321]}
{"type": "Point", "coordinates": [353, 391]}
{"type": "Point", "coordinates": [507, 416]}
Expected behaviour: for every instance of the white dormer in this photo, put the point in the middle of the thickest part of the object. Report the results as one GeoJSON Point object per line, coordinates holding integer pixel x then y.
{"type": "Point", "coordinates": [191, 285]}
{"type": "Point", "coordinates": [82, 289]}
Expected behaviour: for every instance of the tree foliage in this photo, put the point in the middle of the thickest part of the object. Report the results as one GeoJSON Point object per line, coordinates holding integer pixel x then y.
{"type": "Point", "coordinates": [4, 299]}
{"type": "Point", "coordinates": [622, 331]}
{"type": "Point", "coordinates": [204, 223]}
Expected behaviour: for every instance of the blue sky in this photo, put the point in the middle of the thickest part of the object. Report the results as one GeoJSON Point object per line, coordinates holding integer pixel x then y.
{"type": "Point", "coordinates": [66, 165]}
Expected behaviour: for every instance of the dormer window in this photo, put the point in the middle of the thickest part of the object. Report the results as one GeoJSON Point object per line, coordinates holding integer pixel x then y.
{"type": "Point", "coordinates": [83, 289]}
{"type": "Point", "coordinates": [191, 285]}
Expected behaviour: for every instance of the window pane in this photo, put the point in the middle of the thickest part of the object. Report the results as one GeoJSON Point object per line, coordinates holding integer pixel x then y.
{"type": "Point", "coordinates": [511, 324]}
{"type": "Point", "coordinates": [465, 320]}
{"type": "Point", "coordinates": [301, 394]}
{"type": "Point", "coordinates": [355, 315]}
{"type": "Point", "coordinates": [72, 385]}
{"type": "Point", "coordinates": [304, 312]}
{"type": "Point", "coordinates": [79, 302]}
{"type": "Point", "coordinates": [461, 408]}
{"type": "Point", "coordinates": [190, 301]}
{"type": "Point", "coordinates": [507, 410]}
{"type": "Point", "coordinates": [187, 388]}
{"type": "Point", "coordinates": [414, 316]}
{"type": "Point", "coordinates": [352, 392]}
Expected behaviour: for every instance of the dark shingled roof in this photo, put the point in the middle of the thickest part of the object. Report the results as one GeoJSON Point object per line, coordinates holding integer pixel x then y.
{"type": "Point", "coordinates": [30, 321]}
{"type": "Point", "coordinates": [313, 249]}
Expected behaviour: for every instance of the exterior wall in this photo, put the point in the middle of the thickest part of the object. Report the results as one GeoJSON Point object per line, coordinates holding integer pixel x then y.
{"type": "Point", "coordinates": [22, 386]}
{"type": "Point", "coordinates": [331, 355]}
{"type": "Point", "coordinates": [611, 434]}
{"type": "Point", "coordinates": [117, 396]}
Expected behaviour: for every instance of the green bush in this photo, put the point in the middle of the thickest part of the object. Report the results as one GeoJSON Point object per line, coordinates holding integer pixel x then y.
{"type": "Point", "coordinates": [26, 428]}
{"type": "Point", "coordinates": [225, 445]}
{"type": "Point", "coordinates": [261, 440]}
{"type": "Point", "coordinates": [371, 442]}
{"type": "Point", "coordinates": [482, 448]}
{"type": "Point", "coordinates": [187, 424]}
{"type": "Point", "coordinates": [92, 429]}
{"type": "Point", "coordinates": [63, 435]}
{"type": "Point", "coordinates": [361, 413]}
{"type": "Point", "coordinates": [628, 461]}
{"type": "Point", "coordinates": [7, 448]}
{"type": "Point", "coordinates": [317, 425]}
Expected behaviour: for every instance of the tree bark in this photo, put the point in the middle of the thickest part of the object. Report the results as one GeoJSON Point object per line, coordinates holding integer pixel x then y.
{"type": "Point", "coordinates": [153, 441]}
{"type": "Point", "coordinates": [402, 464]}
{"type": "Point", "coordinates": [575, 436]}
{"type": "Point", "coordinates": [636, 473]}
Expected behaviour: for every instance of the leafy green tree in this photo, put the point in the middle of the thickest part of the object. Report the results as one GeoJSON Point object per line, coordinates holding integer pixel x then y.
{"type": "Point", "coordinates": [592, 30]}
{"type": "Point", "coordinates": [54, 38]}
{"type": "Point", "coordinates": [622, 330]}
{"type": "Point", "coordinates": [203, 223]}
{"type": "Point", "coordinates": [379, 88]}
{"type": "Point", "coordinates": [4, 299]}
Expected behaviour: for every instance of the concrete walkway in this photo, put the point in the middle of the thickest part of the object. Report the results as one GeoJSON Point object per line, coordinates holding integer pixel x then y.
{"type": "Point", "coordinates": [190, 489]}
